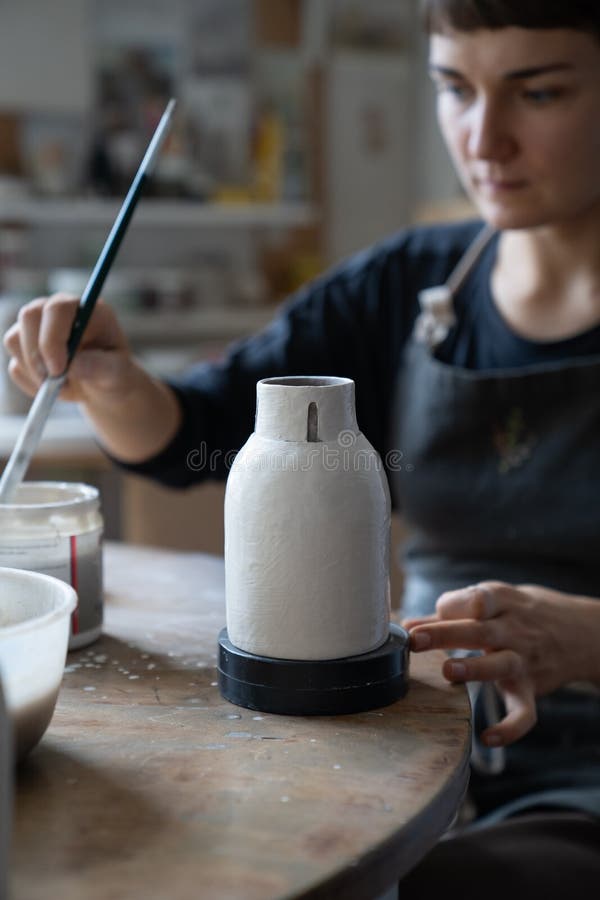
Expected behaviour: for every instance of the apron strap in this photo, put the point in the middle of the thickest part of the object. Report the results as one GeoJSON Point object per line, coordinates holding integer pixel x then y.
{"type": "Point", "coordinates": [437, 303]}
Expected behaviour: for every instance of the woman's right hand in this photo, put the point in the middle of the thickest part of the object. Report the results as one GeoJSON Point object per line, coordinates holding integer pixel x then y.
{"type": "Point", "coordinates": [133, 414]}
{"type": "Point", "coordinates": [103, 367]}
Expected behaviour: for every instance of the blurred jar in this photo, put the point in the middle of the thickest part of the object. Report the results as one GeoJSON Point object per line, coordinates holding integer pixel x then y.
{"type": "Point", "coordinates": [212, 286]}
{"type": "Point", "coordinates": [248, 286]}
{"type": "Point", "coordinates": [173, 290]}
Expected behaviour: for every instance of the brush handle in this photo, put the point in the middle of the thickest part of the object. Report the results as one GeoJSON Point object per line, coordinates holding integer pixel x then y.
{"type": "Point", "coordinates": [101, 269]}
{"type": "Point", "coordinates": [117, 233]}
{"type": "Point", "coordinates": [29, 437]}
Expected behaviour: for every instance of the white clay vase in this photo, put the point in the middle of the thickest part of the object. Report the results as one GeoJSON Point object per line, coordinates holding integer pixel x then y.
{"type": "Point", "coordinates": [307, 528]}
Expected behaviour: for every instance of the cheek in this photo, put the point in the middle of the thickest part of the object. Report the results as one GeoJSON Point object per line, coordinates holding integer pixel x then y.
{"type": "Point", "coordinates": [565, 169]}
{"type": "Point", "coordinates": [567, 145]}
{"type": "Point", "coordinates": [452, 133]}
{"type": "Point", "coordinates": [582, 156]}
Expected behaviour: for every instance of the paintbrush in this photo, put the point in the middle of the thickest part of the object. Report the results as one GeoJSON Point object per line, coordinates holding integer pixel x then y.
{"type": "Point", "coordinates": [45, 398]}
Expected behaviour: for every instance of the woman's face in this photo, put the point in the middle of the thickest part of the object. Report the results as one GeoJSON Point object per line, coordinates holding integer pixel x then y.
{"type": "Point", "coordinates": [520, 112]}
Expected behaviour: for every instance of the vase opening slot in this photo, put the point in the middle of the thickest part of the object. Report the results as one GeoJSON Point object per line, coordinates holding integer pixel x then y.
{"type": "Point", "coordinates": [312, 423]}
{"type": "Point", "coordinates": [306, 381]}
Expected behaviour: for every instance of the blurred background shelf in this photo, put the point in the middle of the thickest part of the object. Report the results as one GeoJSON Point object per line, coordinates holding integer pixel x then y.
{"type": "Point", "coordinates": [75, 212]}
{"type": "Point", "coordinates": [214, 324]}
{"type": "Point", "coordinates": [305, 131]}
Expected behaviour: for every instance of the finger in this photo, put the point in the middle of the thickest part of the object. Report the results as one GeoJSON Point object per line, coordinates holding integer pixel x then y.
{"type": "Point", "coordinates": [521, 716]}
{"type": "Point", "coordinates": [465, 634]}
{"type": "Point", "coordinates": [414, 621]}
{"type": "Point", "coordinates": [479, 601]}
{"type": "Point", "coordinates": [499, 665]}
{"type": "Point", "coordinates": [28, 320]}
{"type": "Point", "coordinates": [55, 327]}
{"type": "Point", "coordinates": [11, 341]}
{"type": "Point", "coordinates": [12, 345]}
{"type": "Point", "coordinates": [22, 377]}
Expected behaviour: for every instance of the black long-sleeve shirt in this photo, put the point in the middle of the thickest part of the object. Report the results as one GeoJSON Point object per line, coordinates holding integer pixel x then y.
{"type": "Point", "coordinates": [354, 322]}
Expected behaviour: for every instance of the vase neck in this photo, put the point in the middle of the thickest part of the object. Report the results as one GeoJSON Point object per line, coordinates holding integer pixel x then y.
{"type": "Point", "coordinates": [303, 409]}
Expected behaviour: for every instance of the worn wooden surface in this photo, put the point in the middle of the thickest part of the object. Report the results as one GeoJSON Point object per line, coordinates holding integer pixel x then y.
{"type": "Point", "coordinates": [148, 784]}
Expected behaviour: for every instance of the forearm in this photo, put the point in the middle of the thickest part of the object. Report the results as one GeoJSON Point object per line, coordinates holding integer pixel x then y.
{"type": "Point", "coordinates": [589, 650]}
{"type": "Point", "coordinates": [140, 422]}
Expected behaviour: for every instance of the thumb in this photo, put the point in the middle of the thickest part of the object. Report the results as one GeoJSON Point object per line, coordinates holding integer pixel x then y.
{"type": "Point", "coordinates": [519, 699]}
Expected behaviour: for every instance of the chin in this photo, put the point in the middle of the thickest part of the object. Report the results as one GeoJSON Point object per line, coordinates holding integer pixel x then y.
{"type": "Point", "coordinates": [510, 218]}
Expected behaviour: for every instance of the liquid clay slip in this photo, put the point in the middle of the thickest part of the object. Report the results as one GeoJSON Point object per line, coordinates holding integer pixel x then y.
{"type": "Point", "coordinates": [56, 528]}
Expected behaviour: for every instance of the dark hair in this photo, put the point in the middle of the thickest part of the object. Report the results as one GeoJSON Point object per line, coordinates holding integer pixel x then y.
{"type": "Point", "coordinates": [469, 15]}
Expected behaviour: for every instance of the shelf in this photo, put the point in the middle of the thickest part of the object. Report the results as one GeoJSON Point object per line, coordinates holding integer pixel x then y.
{"type": "Point", "coordinates": [210, 324]}
{"type": "Point", "coordinates": [155, 213]}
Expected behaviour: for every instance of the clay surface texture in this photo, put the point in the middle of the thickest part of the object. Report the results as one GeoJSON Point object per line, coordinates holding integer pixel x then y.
{"type": "Point", "coordinates": [307, 528]}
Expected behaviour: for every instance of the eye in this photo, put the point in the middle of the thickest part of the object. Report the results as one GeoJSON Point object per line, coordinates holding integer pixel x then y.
{"type": "Point", "coordinates": [542, 96]}
{"type": "Point", "coordinates": [453, 89]}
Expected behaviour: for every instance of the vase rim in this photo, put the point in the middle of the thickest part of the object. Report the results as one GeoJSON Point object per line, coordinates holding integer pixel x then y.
{"type": "Point", "coordinates": [324, 381]}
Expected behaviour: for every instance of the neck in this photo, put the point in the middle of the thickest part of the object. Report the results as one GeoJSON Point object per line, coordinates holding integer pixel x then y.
{"type": "Point", "coordinates": [546, 281]}
{"type": "Point", "coordinates": [559, 257]}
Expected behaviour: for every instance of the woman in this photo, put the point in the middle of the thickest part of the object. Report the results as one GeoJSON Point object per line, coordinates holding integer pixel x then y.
{"type": "Point", "coordinates": [487, 387]}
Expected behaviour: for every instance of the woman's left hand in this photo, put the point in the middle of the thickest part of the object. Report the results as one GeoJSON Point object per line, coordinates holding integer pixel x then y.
{"type": "Point", "coordinates": [533, 640]}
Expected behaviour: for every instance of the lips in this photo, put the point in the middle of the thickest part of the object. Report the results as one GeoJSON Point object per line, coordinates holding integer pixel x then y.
{"type": "Point", "coordinates": [499, 184]}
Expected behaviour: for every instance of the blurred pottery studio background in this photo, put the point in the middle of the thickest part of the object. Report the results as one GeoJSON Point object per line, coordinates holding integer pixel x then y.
{"type": "Point", "coordinates": [304, 131]}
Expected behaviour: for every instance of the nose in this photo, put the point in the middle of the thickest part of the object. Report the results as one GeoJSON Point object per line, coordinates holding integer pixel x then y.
{"type": "Point", "coordinates": [489, 136]}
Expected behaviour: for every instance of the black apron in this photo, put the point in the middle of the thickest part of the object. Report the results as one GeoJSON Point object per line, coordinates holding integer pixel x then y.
{"type": "Point", "coordinates": [499, 480]}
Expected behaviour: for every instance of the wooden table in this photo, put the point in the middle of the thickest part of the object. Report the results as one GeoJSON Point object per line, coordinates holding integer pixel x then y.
{"type": "Point", "coordinates": [149, 785]}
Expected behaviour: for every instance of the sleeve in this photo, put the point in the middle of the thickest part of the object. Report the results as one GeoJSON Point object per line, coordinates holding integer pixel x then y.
{"type": "Point", "coordinates": [352, 322]}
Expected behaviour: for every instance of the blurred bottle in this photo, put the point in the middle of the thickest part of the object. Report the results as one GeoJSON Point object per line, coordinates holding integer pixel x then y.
{"type": "Point", "coordinates": [267, 156]}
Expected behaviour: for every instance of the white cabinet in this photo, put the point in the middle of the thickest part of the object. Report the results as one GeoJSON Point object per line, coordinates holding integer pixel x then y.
{"type": "Point", "coordinates": [369, 148]}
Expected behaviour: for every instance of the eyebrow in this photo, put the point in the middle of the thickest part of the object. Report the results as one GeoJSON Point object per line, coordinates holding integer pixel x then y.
{"type": "Point", "coordinates": [515, 75]}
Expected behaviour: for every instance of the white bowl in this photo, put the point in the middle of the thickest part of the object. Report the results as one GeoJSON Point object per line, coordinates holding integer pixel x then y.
{"type": "Point", "coordinates": [35, 614]}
